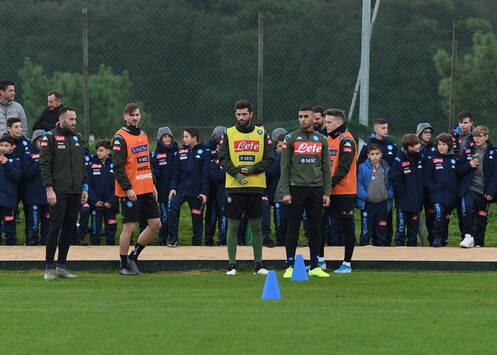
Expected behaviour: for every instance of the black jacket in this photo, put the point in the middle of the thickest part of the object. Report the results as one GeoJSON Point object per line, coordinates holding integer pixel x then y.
{"type": "Point", "coordinates": [47, 119]}
{"type": "Point", "coordinates": [62, 161]}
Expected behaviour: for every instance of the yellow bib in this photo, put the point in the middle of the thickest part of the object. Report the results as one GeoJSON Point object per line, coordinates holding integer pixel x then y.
{"type": "Point", "coordinates": [246, 149]}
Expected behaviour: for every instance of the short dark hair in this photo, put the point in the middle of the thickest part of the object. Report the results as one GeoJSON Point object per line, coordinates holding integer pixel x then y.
{"type": "Point", "coordinates": [8, 139]}
{"type": "Point", "coordinates": [12, 120]}
{"type": "Point", "coordinates": [379, 121]}
{"type": "Point", "coordinates": [281, 138]}
{"type": "Point", "coordinates": [444, 138]}
{"type": "Point", "coordinates": [55, 93]}
{"type": "Point", "coordinates": [335, 112]}
{"type": "Point", "coordinates": [63, 110]}
{"type": "Point", "coordinates": [103, 143]}
{"type": "Point", "coordinates": [130, 108]}
{"type": "Point", "coordinates": [194, 132]}
{"type": "Point", "coordinates": [409, 140]}
{"type": "Point", "coordinates": [318, 109]}
{"type": "Point", "coordinates": [373, 146]}
{"type": "Point", "coordinates": [306, 108]}
{"type": "Point", "coordinates": [240, 105]}
{"type": "Point", "coordinates": [5, 83]}
{"type": "Point", "coordinates": [463, 114]}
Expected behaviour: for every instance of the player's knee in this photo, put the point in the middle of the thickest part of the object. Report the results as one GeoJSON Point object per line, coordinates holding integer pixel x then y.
{"type": "Point", "coordinates": [154, 224]}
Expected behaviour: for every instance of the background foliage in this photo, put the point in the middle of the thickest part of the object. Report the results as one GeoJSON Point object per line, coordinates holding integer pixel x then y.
{"type": "Point", "coordinates": [188, 61]}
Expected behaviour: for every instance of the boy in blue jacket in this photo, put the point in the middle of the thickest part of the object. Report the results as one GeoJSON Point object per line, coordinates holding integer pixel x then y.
{"type": "Point", "coordinates": [162, 166]}
{"type": "Point", "coordinates": [478, 189]}
{"type": "Point", "coordinates": [35, 197]}
{"type": "Point", "coordinates": [441, 182]}
{"type": "Point", "coordinates": [218, 176]}
{"type": "Point", "coordinates": [10, 174]}
{"type": "Point", "coordinates": [407, 182]}
{"type": "Point", "coordinates": [102, 200]}
{"type": "Point", "coordinates": [374, 196]}
{"type": "Point", "coordinates": [189, 183]}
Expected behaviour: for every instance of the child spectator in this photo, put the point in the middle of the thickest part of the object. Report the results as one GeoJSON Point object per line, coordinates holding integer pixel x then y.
{"type": "Point", "coordinates": [218, 177]}
{"type": "Point", "coordinates": [478, 169]}
{"type": "Point", "coordinates": [10, 174]}
{"type": "Point", "coordinates": [162, 166]}
{"type": "Point", "coordinates": [80, 230]}
{"type": "Point", "coordinates": [213, 205]}
{"type": "Point", "coordinates": [407, 182]}
{"type": "Point", "coordinates": [189, 182]}
{"type": "Point", "coordinates": [374, 196]}
{"type": "Point", "coordinates": [274, 190]}
{"type": "Point", "coordinates": [102, 200]}
{"type": "Point", "coordinates": [35, 196]}
{"type": "Point", "coordinates": [441, 182]}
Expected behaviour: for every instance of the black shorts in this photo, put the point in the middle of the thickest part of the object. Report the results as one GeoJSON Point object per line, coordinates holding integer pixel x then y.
{"type": "Point", "coordinates": [145, 207]}
{"type": "Point", "coordinates": [66, 208]}
{"type": "Point", "coordinates": [341, 207]}
{"type": "Point", "coordinates": [237, 206]}
{"type": "Point", "coordinates": [309, 199]}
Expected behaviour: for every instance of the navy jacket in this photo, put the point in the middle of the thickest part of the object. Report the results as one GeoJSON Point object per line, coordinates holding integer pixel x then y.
{"type": "Point", "coordinates": [101, 183]}
{"type": "Point", "coordinates": [440, 179]}
{"type": "Point", "coordinates": [218, 177]}
{"type": "Point", "coordinates": [364, 175]}
{"type": "Point", "coordinates": [388, 149]}
{"type": "Point", "coordinates": [10, 174]}
{"type": "Point", "coordinates": [489, 170]}
{"type": "Point", "coordinates": [407, 181]}
{"type": "Point", "coordinates": [162, 166]}
{"type": "Point", "coordinates": [273, 177]}
{"type": "Point", "coordinates": [456, 140]}
{"type": "Point", "coordinates": [190, 175]}
{"type": "Point", "coordinates": [34, 192]}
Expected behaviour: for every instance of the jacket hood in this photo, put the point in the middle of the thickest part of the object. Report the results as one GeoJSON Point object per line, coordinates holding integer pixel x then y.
{"type": "Point", "coordinates": [217, 133]}
{"type": "Point", "coordinates": [162, 131]}
{"type": "Point", "coordinates": [421, 127]}
{"type": "Point", "coordinates": [277, 132]}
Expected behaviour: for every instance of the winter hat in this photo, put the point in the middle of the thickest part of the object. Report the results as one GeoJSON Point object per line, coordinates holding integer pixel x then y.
{"type": "Point", "coordinates": [421, 127]}
{"type": "Point", "coordinates": [162, 131]}
{"type": "Point", "coordinates": [38, 133]}
{"type": "Point", "coordinates": [217, 133]}
{"type": "Point", "coordinates": [277, 132]}
{"type": "Point", "coordinates": [194, 132]}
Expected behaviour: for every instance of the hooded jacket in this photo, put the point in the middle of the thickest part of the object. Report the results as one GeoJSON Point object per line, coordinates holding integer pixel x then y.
{"type": "Point", "coordinates": [457, 140]}
{"type": "Point", "coordinates": [388, 149]}
{"type": "Point", "coordinates": [364, 175]}
{"type": "Point", "coordinates": [190, 174]}
{"type": "Point", "coordinates": [34, 192]}
{"type": "Point", "coordinates": [440, 179]}
{"type": "Point", "coordinates": [101, 183]}
{"type": "Point", "coordinates": [407, 181]}
{"type": "Point", "coordinates": [162, 166]}
{"type": "Point", "coordinates": [466, 172]}
{"type": "Point", "coordinates": [10, 174]}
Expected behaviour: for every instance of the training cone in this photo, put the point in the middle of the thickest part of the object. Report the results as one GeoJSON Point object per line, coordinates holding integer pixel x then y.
{"type": "Point", "coordinates": [299, 271]}
{"type": "Point", "coordinates": [271, 289]}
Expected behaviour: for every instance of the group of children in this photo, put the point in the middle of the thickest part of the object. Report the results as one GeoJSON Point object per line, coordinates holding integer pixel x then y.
{"type": "Point", "coordinates": [456, 171]}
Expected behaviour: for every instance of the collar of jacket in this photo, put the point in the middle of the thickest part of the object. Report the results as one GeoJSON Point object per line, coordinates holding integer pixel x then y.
{"type": "Point", "coordinates": [133, 130]}
{"type": "Point", "coordinates": [338, 131]}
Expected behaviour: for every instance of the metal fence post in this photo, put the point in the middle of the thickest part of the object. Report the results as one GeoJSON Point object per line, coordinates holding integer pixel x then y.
{"type": "Point", "coordinates": [86, 96]}
{"type": "Point", "coordinates": [452, 108]}
{"type": "Point", "coordinates": [260, 69]}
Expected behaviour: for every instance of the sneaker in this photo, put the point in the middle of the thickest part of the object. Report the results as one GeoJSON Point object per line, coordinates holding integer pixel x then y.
{"type": "Point", "coordinates": [317, 271]}
{"type": "Point", "coordinates": [173, 244]}
{"type": "Point", "coordinates": [468, 242]}
{"type": "Point", "coordinates": [305, 243]}
{"type": "Point", "coordinates": [126, 272]}
{"type": "Point", "coordinates": [343, 269]}
{"type": "Point", "coordinates": [260, 270]}
{"type": "Point", "coordinates": [62, 272]}
{"type": "Point", "coordinates": [268, 242]}
{"type": "Point", "coordinates": [288, 273]}
{"type": "Point", "coordinates": [50, 275]}
{"type": "Point", "coordinates": [231, 270]}
{"type": "Point", "coordinates": [133, 266]}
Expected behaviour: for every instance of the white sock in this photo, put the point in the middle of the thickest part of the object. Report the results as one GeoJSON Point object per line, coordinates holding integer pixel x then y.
{"type": "Point", "coordinates": [346, 263]}
{"type": "Point", "coordinates": [321, 258]}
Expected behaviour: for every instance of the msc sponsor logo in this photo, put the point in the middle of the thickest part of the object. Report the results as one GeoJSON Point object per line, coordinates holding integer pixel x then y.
{"type": "Point", "coordinates": [139, 149]}
{"type": "Point", "coordinates": [142, 159]}
{"type": "Point", "coordinates": [307, 161]}
{"type": "Point", "coordinates": [245, 158]}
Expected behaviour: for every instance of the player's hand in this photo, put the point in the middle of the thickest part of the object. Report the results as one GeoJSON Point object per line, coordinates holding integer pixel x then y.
{"type": "Point", "coordinates": [326, 201]}
{"type": "Point", "coordinates": [131, 195]}
{"type": "Point", "coordinates": [488, 198]}
{"type": "Point", "coordinates": [107, 205]}
{"type": "Point", "coordinates": [99, 204]}
{"type": "Point", "coordinates": [3, 159]}
{"type": "Point", "coordinates": [51, 196]}
{"type": "Point", "coordinates": [247, 170]}
{"type": "Point", "coordinates": [287, 199]}
{"type": "Point", "coordinates": [202, 198]}
{"type": "Point", "coordinates": [172, 193]}
{"type": "Point", "coordinates": [84, 196]}
{"type": "Point", "coordinates": [241, 179]}
{"type": "Point", "coordinates": [155, 194]}
{"type": "Point", "coordinates": [474, 163]}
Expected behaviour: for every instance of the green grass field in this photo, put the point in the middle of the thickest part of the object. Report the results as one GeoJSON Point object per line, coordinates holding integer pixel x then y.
{"type": "Point", "coordinates": [210, 313]}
